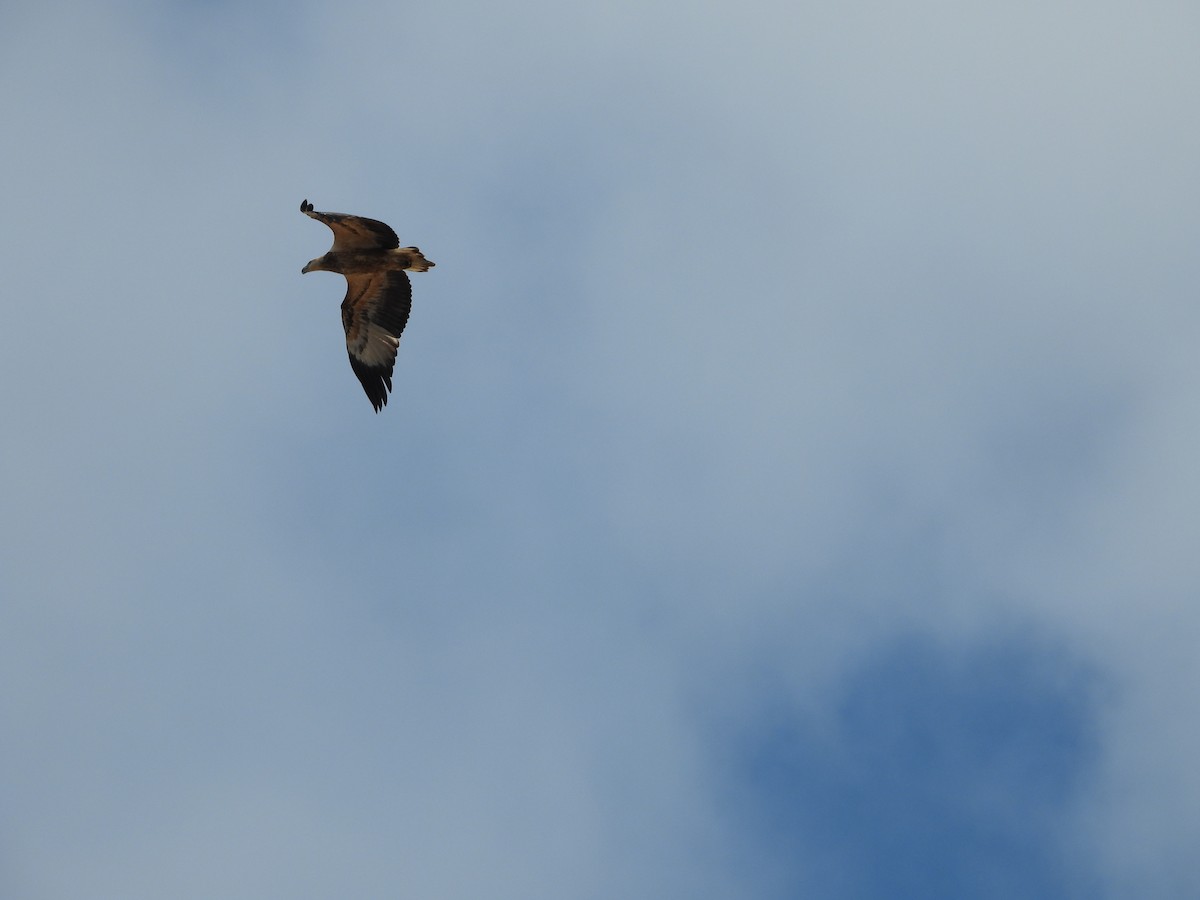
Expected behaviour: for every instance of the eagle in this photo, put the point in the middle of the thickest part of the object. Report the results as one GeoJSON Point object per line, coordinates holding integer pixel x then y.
{"type": "Point", "coordinates": [378, 293]}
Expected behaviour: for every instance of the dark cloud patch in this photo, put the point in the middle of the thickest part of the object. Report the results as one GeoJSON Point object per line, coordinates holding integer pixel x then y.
{"type": "Point", "coordinates": [939, 772]}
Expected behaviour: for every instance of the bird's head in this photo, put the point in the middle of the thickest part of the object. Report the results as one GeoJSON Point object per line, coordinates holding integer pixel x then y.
{"type": "Point", "coordinates": [314, 265]}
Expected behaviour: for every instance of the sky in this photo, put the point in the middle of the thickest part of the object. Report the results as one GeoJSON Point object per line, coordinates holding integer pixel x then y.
{"type": "Point", "coordinates": [788, 489]}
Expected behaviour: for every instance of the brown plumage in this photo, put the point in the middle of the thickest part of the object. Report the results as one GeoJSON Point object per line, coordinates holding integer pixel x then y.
{"type": "Point", "coordinates": [378, 293]}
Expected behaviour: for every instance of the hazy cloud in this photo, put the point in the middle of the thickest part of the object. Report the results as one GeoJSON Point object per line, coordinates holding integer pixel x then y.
{"type": "Point", "coordinates": [790, 374]}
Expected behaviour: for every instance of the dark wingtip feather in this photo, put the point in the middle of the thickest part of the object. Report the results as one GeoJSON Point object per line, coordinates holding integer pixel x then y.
{"type": "Point", "coordinates": [305, 206]}
{"type": "Point", "coordinates": [376, 383]}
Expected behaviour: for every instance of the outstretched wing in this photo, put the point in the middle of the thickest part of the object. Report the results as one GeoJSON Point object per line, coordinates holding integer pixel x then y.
{"type": "Point", "coordinates": [374, 314]}
{"type": "Point", "coordinates": [354, 232]}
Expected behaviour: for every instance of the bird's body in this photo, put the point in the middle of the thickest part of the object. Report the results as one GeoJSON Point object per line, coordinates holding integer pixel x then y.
{"type": "Point", "coordinates": [378, 293]}
{"type": "Point", "coordinates": [366, 262]}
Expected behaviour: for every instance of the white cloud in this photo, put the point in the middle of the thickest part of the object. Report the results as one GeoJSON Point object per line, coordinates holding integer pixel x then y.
{"type": "Point", "coordinates": [757, 337]}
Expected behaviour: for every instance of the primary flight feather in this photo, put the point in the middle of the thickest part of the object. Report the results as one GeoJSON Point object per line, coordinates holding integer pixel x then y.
{"type": "Point", "coordinates": [378, 293]}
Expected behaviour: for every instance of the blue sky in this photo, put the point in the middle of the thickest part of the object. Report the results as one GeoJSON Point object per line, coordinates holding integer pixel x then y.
{"type": "Point", "coordinates": [788, 488]}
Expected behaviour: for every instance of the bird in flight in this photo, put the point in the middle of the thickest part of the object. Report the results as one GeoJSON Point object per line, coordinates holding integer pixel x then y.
{"type": "Point", "coordinates": [378, 293]}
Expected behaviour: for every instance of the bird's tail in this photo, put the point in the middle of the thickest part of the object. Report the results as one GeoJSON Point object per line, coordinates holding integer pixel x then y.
{"type": "Point", "coordinates": [417, 261]}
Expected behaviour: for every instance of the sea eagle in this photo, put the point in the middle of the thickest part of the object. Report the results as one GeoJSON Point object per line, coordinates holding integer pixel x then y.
{"type": "Point", "coordinates": [378, 293]}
